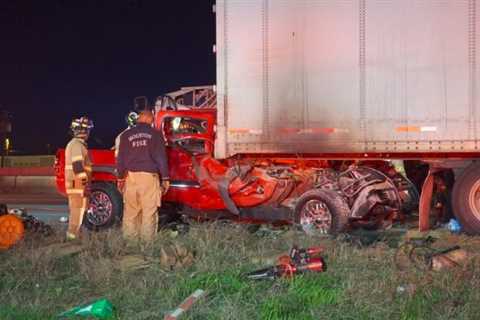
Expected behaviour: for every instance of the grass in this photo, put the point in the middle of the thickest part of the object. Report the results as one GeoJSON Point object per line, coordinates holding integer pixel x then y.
{"type": "Point", "coordinates": [360, 283]}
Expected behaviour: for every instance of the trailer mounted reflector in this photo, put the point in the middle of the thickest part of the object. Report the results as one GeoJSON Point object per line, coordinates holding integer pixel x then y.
{"type": "Point", "coordinates": [416, 129]}
{"type": "Point", "coordinates": [428, 129]}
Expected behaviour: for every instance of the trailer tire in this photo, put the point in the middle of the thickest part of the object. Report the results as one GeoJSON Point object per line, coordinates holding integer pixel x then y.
{"type": "Point", "coordinates": [106, 203]}
{"type": "Point", "coordinates": [331, 206]}
{"type": "Point", "coordinates": [466, 199]}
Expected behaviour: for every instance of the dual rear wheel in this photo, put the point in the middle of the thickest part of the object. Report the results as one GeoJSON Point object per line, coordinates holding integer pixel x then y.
{"type": "Point", "coordinates": [466, 199]}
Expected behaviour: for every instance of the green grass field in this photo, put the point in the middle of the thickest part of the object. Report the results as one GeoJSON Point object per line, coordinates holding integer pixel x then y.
{"type": "Point", "coordinates": [360, 282]}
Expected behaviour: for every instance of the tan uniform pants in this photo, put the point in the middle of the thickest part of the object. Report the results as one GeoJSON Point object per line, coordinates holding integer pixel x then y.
{"type": "Point", "coordinates": [77, 204]}
{"type": "Point", "coordinates": [142, 197]}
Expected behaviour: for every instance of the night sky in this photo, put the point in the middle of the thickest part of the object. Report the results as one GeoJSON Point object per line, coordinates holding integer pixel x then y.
{"type": "Point", "coordinates": [60, 59]}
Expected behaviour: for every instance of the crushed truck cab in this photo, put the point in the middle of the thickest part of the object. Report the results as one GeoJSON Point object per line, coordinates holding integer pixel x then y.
{"type": "Point", "coordinates": [322, 196]}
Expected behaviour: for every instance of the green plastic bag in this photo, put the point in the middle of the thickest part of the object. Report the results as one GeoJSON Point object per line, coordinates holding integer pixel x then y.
{"type": "Point", "coordinates": [100, 309]}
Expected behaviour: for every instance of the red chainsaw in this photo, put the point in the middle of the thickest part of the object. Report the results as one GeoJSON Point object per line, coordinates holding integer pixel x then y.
{"type": "Point", "coordinates": [298, 261]}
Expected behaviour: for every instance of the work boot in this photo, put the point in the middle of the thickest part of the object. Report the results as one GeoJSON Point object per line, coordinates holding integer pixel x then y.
{"type": "Point", "coordinates": [70, 236]}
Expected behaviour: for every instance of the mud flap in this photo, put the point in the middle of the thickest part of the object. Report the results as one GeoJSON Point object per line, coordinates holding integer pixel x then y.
{"type": "Point", "coordinates": [425, 201]}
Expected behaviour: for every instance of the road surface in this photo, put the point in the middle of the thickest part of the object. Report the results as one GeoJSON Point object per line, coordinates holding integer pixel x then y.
{"type": "Point", "coordinates": [47, 207]}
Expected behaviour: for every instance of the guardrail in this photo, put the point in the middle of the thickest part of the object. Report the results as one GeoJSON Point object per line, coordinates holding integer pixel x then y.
{"type": "Point", "coordinates": [27, 161]}
{"type": "Point", "coordinates": [29, 171]}
{"type": "Point", "coordinates": [33, 180]}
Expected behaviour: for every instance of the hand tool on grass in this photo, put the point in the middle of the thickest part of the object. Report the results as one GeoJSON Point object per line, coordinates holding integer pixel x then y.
{"type": "Point", "coordinates": [298, 261]}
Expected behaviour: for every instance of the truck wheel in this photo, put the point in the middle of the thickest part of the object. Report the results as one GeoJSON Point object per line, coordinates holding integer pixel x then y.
{"type": "Point", "coordinates": [105, 208]}
{"type": "Point", "coordinates": [322, 212]}
{"type": "Point", "coordinates": [466, 199]}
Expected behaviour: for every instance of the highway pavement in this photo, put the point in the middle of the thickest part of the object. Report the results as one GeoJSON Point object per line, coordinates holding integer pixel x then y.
{"type": "Point", "coordinates": [46, 207]}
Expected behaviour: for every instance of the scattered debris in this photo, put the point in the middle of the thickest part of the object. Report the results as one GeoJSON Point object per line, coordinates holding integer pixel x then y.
{"type": "Point", "coordinates": [419, 253]}
{"type": "Point", "coordinates": [33, 224]}
{"type": "Point", "coordinates": [454, 226]}
{"type": "Point", "coordinates": [100, 309]}
{"type": "Point", "coordinates": [15, 222]}
{"type": "Point", "coordinates": [452, 258]}
{"type": "Point", "coordinates": [186, 305]}
{"type": "Point", "coordinates": [297, 261]}
{"type": "Point", "coordinates": [178, 227]}
{"type": "Point", "coordinates": [416, 252]}
{"type": "Point", "coordinates": [175, 256]}
{"type": "Point", "coordinates": [407, 288]}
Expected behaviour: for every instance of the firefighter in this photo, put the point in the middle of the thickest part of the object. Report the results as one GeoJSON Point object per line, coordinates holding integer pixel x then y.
{"type": "Point", "coordinates": [143, 172]}
{"type": "Point", "coordinates": [131, 120]}
{"type": "Point", "coordinates": [78, 173]}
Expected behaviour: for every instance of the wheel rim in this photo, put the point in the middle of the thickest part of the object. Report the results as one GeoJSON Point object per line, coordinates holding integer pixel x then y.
{"type": "Point", "coordinates": [100, 209]}
{"type": "Point", "coordinates": [315, 217]}
{"type": "Point", "coordinates": [474, 199]}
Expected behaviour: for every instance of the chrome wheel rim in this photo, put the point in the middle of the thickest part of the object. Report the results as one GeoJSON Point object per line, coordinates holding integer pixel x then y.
{"type": "Point", "coordinates": [100, 208]}
{"type": "Point", "coordinates": [315, 217]}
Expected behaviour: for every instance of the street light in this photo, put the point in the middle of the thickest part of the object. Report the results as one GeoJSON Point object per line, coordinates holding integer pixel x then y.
{"type": "Point", "coordinates": [7, 146]}
{"type": "Point", "coordinates": [5, 131]}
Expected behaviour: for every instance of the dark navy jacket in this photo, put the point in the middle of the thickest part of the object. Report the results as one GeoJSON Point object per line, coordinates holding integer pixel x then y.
{"type": "Point", "coordinates": [142, 149]}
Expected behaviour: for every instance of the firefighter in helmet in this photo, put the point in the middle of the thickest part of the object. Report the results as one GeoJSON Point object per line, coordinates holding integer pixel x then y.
{"type": "Point", "coordinates": [78, 173]}
{"type": "Point", "coordinates": [131, 120]}
{"type": "Point", "coordinates": [143, 174]}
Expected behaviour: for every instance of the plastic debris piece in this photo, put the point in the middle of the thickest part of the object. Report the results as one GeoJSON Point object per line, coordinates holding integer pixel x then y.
{"type": "Point", "coordinates": [17, 211]}
{"type": "Point", "coordinates": [100, 309]}
{"type": "Point", "coordinates": [454, 226]}
{"type": "Point", "coordinates": [406, 288]}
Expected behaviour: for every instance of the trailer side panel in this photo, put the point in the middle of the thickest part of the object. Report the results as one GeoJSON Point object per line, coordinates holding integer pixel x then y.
{"type": "Point", "coordinates": [350, 76]}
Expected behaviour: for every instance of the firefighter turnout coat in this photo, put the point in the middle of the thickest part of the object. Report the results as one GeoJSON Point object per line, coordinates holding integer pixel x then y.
{"type": "Point", "coordinates": [78, 173]}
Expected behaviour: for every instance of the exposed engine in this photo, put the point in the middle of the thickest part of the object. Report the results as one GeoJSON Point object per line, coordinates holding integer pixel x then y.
{"type": "Point", "coordinates": [366, 190]}
{"type": "Point", "coordinates": [369, 191]}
